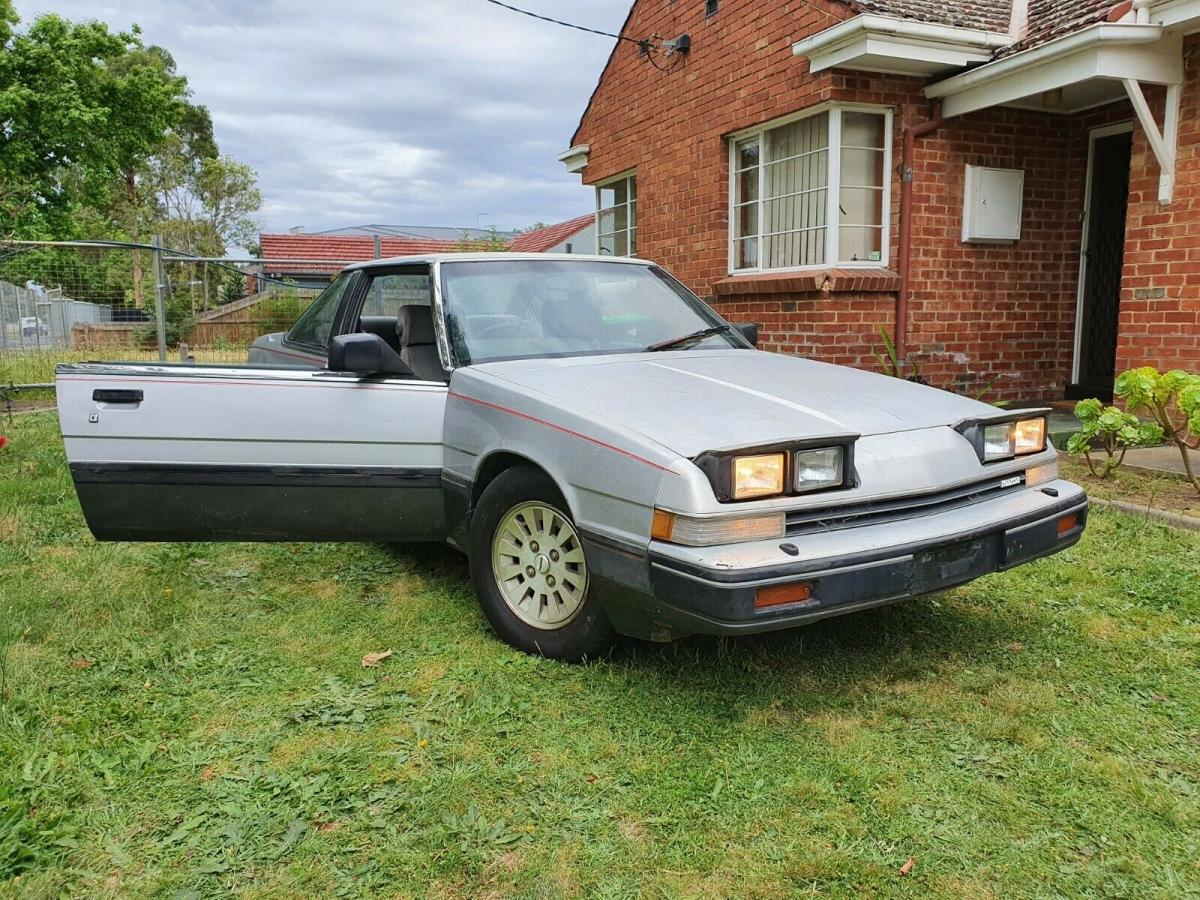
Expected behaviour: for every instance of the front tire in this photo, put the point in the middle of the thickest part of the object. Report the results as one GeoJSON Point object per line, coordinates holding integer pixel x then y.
{"type": "Point", "coordinates": [530, 573]}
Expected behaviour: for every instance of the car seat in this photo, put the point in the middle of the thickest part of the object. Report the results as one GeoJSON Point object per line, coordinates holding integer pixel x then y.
{"type": "Point", "coordinates": [418, 343]}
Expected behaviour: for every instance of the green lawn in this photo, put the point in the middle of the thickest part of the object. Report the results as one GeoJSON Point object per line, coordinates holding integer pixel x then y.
{"type": "Point", "coordinates": [193, 720]}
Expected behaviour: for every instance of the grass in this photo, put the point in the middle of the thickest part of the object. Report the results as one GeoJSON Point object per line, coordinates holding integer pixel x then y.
{"type": "Point", "coordinates": [193, 720]}
{"type": "Point", "coordinates": [37, 366]}
{"type": "Point", "coordinates": [1160, 490]}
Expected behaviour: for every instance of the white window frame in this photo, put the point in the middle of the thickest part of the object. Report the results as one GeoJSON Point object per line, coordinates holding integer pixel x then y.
{"type": "Point", "coordinates": [833, 214]}
{"type": "Point", "coordinates": [632, 226]}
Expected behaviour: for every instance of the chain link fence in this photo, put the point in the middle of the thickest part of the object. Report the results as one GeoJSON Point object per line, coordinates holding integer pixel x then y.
{"type": "Point", "coordinates": [77, 301]}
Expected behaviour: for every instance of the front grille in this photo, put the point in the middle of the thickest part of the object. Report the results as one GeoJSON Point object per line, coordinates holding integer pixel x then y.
{"type": "Point", "coordinates": [888, 509]}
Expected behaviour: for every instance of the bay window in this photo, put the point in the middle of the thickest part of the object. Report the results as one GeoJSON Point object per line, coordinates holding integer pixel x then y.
{"type": "Point", "coordinates": [616, 217]}
{"type": "Point", "coordinates": [812, 191]}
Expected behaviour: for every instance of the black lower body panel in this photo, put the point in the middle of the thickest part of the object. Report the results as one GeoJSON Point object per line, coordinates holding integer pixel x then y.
{"type": "Point", "coordinates": [145, 502]}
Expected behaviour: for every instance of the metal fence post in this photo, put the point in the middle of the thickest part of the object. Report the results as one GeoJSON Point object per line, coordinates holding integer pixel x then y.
{"type": "Point", "coordinates": [160, 313]}
{"type": "Point", "coordinates": [3, 319]}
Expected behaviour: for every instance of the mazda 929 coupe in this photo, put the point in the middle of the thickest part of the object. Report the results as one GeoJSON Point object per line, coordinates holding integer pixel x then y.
{"type": "Point", "coordinates": [611, 455]}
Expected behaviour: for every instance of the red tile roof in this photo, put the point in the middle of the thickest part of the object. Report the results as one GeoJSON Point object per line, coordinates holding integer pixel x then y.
{"type": "Point", "coordinates": [1050, 19]}
{"type": "Point", "coordinates": [982, 15]}
{"type": "Point", "coordinates": [544, 238]}
{"type": "Point", "coordinates": [341, 249]}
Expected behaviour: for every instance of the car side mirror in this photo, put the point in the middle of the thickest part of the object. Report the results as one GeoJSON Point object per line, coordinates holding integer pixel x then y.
{"type": "Point", "coordinates": [749, 331]}
{"type": "Point", "coordinates": [366, 354]}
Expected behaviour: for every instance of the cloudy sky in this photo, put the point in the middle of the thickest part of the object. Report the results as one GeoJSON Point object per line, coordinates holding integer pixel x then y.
{"type": "Point", "coordinates": [414, 112]}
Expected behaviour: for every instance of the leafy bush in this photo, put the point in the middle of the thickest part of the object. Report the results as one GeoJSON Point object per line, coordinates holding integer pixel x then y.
{"type": "Point", "coordinates": [1173, 399]}
{"type": "Point", "coordinates": [1111, 430]}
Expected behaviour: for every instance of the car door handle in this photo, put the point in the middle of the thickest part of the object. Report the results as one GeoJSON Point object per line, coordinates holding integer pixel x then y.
{"type": "Point", "coordinates": [110, 396]}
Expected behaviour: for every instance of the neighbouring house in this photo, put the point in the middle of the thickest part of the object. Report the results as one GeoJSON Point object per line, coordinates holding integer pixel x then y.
{"type": "Point", "coordinates": [1010, 187]}
{"type": "Point", "coordinates": [573, 236]}
{"type": "Point", "coordinates": [311, 259]}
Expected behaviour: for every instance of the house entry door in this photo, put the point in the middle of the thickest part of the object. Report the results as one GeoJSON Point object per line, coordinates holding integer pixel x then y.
{"type": "Point", "coordinates": [1103, 258]}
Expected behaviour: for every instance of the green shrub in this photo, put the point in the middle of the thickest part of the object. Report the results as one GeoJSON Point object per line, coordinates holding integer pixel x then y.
{"type": "Point", "coordinates": [1111, 430]}
{"type": "Point", "coordinates": [1173, 399]}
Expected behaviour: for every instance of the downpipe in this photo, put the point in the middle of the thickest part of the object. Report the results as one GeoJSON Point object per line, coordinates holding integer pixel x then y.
{"type": "Point", "coordinates": [904, 261]}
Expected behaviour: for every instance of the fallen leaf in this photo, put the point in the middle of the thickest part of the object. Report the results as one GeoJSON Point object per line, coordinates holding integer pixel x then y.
{"type": "Point", "coordinates": [328, 826]}
{"type": "Point", "coordinates": [208, 774]}
{"type": "Point", "coordinates": [371, 660]}
{"type": "Point", "coordinates": [81, 663]}
{"type": "Point", "coordinates": [1015, 647]}
{"type": "Point", "coordinates": [908, 866]}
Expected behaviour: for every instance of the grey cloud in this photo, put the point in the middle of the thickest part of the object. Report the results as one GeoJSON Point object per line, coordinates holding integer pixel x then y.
{"type": "Point", "coordinates": [406, 112]}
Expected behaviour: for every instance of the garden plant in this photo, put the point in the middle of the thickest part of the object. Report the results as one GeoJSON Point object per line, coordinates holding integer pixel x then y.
{"type": "Point", "coordinates": [1111, 430]}
{"type": "Point", "coordinates": [1173, 400]}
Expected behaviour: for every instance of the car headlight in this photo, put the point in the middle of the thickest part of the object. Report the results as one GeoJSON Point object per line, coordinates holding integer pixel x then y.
{"type": "Point", "coordinates": [816, 470]}
{"type": "Point", "coordinates": [1022, 435]}
{"type": "Point", "coordinates": [755, 477]}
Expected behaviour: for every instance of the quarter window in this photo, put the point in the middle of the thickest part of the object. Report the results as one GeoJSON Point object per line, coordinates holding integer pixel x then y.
{"type": "Point", "coordinates": [616, 217]}
{"type": "Point", "coordinates": [812, 192]}
{"type": "Point", "coordinates": [315, 325]}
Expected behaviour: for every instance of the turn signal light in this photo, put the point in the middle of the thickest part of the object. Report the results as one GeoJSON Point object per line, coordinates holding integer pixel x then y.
{"type": "Point", "coordinates": [663, 525]}
{"type": "Point", "coordinates": [780, 594]}
{"type": "Point", "coordinates": [1067, 524]}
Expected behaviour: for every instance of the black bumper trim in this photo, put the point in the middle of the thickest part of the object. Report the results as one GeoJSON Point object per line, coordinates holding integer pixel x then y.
{"type": "Point", "coordinates": [689, 601]}
{"type": "Point", "coordinates": [817, 566]}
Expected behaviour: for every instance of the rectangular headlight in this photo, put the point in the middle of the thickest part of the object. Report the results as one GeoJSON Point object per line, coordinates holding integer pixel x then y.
{"type": "Point", "coordinates": [693, 531]}
{"type": "Point", "coordinates": [758, 476]}
{"type": "Point", "coordinates": [1011, 439]}
{"type": "Point", "coordinates": [1030, 436]}
{"type": "Point", "coordinates": [999, 442]}
{"type": "Point", "coordinates": [818, 469]}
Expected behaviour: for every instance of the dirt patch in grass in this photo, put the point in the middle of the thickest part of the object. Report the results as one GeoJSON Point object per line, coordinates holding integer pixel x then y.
{"type": "Point", "coordinates": [1165, 491]}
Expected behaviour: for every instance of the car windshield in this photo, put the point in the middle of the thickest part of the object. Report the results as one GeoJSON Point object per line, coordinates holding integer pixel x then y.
{"type": "Point", "coordinates": [522, 309]}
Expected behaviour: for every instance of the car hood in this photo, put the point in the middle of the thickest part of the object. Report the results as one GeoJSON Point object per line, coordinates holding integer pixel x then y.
{"type": "Point", "coordinates": [698, 401]}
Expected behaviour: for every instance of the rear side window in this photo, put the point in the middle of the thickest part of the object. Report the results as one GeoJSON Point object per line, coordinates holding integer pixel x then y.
{"type": "Point", "coordinates": [313, 328]}
{"type": "Point", "coordinates": [386, 294]}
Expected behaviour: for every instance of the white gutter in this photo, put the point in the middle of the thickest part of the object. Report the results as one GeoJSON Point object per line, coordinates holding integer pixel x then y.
{"type": "Point", "coordinates": [901, 46]}
{"type": "Point", "coordinates": [1176, 14]}
{"type": "Point", "coordinates": [885, 26]}
{"type": "Point", "coordinates": [1049, 52]}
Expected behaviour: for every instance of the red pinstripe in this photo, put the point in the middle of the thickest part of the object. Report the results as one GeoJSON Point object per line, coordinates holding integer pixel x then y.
{"type": "Point", "coordinates": [564, 430]}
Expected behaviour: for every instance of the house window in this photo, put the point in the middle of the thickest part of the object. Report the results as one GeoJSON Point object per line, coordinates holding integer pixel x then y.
{"type": "Point", "coordinates": [710, 7]}
{"type": "Point", "coordinates": [616, 217]}
{"type": "Point", "coordinates": [812, 192]}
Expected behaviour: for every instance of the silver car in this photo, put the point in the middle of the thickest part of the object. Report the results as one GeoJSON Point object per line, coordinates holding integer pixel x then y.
{"type": "Point", "coordinates": [612, 456]}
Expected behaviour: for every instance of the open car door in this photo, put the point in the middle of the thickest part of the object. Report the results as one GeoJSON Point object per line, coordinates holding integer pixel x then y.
{"type": "Point", "coordinates": [168, 453]}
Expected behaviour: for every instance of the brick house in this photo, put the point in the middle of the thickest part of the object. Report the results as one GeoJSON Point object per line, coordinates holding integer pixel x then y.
{"type": "Point", "coordinates": [1010, 187]}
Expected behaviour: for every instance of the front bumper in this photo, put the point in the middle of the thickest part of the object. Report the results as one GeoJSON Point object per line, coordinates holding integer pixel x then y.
{"type": "Point", "coordinates": [713, 590]}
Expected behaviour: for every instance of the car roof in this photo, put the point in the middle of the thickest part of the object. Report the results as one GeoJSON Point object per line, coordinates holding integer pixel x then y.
{"type": "Point", "coordinates": [496, 257]}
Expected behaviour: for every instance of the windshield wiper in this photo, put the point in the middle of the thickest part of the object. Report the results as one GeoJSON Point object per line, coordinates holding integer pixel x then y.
{"type": "Point", "coordinates": [688, 338]}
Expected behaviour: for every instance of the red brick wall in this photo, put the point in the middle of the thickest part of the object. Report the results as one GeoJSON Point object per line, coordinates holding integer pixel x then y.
{"type": "Point", "coordinates": [1160, 300]}
{"type": "Point", "coordinates": [979, 313]}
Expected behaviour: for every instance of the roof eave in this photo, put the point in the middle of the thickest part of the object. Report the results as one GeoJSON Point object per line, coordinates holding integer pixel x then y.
{"type": "Point", "coordinates": [876, 43]}
{"type": "Point", "coordinates": [1101, 51]}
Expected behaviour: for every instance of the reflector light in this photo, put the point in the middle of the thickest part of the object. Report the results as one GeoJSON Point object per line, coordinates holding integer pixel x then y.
{"type": "Point", "coordinates": [781, 594]}
{"type": "Point", "coordinates": [1067, 524]}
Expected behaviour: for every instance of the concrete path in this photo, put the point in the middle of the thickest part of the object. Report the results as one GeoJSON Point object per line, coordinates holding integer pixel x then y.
{"type": "Point", "coordinates": [1161, 459]}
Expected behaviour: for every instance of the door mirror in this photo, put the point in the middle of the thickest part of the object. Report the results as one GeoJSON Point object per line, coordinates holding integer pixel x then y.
{"type": "Point", "coordinates": [366, 354]}
{"type": "Point", "coordinates": [749, 331]}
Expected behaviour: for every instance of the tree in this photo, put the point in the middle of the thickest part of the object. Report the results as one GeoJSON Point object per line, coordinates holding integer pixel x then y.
{"type": "Point", "coordinates": [81, 106]}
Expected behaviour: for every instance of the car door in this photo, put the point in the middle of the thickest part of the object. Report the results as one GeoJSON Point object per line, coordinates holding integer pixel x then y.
{"type": "Point", "coordinates": [260, 454]}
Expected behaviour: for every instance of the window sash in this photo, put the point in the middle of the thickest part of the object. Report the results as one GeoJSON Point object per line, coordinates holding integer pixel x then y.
{"type": "Point", "coordinates": [845, 235]}
{"type": "Point", "coordinates": [612, 240]}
